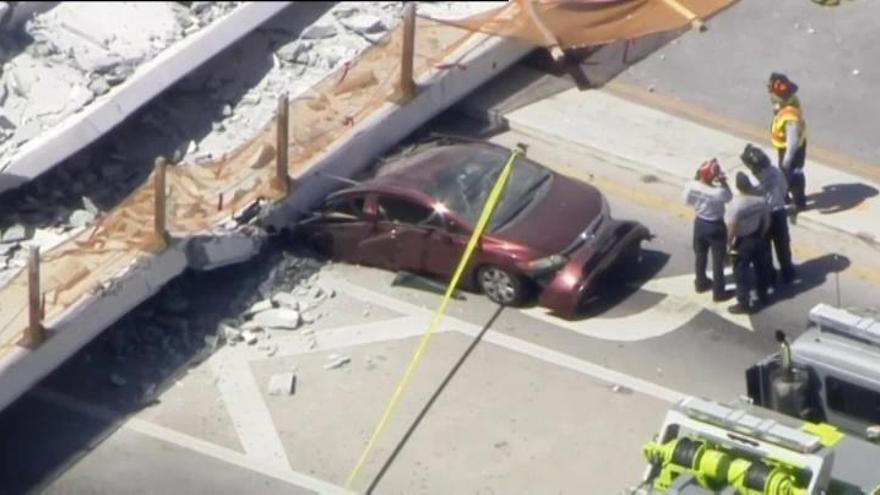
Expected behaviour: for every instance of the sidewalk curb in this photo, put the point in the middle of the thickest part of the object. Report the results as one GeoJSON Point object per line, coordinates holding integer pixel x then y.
{"type": "Point", "coordinates": [642, 168]}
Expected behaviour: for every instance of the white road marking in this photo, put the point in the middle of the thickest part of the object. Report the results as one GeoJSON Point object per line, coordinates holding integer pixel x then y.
{"type": "Point", "coordinates": [679, 306]}
{"type": "Point", "coordinates": [522, 346]}
{"type": "Point", "coordinates": [186, 441]}
{"type": "Point", "coordinates": [684, 284]}
{"type": "Point", "coordinates": [249, 413]}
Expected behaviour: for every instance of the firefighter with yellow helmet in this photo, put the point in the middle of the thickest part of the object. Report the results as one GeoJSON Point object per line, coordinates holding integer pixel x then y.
{"type": "Point", "coordinates": [788, 133]}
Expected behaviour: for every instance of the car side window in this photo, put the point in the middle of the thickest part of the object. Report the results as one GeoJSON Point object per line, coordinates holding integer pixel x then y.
{"type": "Point", "coordinates": [353, 207]}
{"type": "Point", "coordinates": [393, 209]}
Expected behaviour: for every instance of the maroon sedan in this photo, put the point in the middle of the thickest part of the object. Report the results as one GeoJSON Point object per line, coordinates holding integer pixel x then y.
{"type": "Point", "coordinates": [549, 233]}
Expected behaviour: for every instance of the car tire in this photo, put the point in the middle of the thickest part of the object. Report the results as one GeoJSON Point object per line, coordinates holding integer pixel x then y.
{"type": "Point", "coordinates": [501, 286]}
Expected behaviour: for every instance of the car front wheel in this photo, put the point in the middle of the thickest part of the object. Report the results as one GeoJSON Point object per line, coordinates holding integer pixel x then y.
{"type": "Point", "coordinates": [501, 286]}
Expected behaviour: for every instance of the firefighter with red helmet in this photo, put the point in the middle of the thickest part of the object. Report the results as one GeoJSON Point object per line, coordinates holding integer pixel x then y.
{"type": "Point", "coordinates": [708, 194]}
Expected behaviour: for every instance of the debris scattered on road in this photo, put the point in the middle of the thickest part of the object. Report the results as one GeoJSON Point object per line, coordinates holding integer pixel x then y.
{"type": "Point", "coordinates": [620, 389]}
{"type": "Point", "coordinates": [282, 384]}
{"type": "Point", "coordinates": [337, 362]}
{"type": "Point", "coordinates": [250, 338]}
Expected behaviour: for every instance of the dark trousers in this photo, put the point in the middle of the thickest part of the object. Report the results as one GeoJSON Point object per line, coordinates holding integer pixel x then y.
{"type": "Point", "coordinates": [797, 182]}
{"type": "Point", "coordinates": [710, 235]}
{"type": "Point", "coordinates": [779, 238]}
{"type": "Point", "coordinates": [751, 254]}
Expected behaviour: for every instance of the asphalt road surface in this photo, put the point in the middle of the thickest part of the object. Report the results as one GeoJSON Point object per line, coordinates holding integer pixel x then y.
{"type": "Point", "coordinates": [505, 401]}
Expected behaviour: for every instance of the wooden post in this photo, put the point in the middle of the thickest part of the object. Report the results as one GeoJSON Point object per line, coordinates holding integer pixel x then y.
{"type": "Point", "coordinates": [696, 23]}
{"type": "Point", "coordinates": [35, 334]}
{"type": "Point", "coordinates": [220, 202]}
{"type": "Point", "coordinates": [282, 143]}
{"type": "Point", "coordinates": [549, 38]}
{"type": "Point", "coordinates": [159, 211]}
{"type": "Point", "coordinates": [407, 84]}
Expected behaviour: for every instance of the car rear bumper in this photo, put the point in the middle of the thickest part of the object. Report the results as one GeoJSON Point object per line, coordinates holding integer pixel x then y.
{"type": "Point", "coordinates": [568, 287]}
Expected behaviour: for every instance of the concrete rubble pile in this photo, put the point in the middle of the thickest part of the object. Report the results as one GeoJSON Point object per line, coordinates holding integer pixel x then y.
{"type": "Point", "coordinates": [64, 59]}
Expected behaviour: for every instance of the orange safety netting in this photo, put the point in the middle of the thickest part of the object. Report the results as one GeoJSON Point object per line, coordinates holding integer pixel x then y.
{"type": "Point", "coordinates": [579, 23]}
{"type": "Point", "coordinates": [202, 198]}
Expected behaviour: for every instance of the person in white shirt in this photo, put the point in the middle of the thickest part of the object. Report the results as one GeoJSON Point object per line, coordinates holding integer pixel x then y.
{"type": "Point", "coordinates": [773, 186]}
{"type": "Point", "coordinates": [748, 220]}
{"type": "Point", "coordinates": [707, 194]}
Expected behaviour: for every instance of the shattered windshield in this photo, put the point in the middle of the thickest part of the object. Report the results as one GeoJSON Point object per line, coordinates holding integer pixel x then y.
{"type": "Point", "coordinates": [465, 181]}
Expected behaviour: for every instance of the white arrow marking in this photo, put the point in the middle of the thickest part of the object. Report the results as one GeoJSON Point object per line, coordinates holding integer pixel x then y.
{"type": "Point", "coordinates": [679, 306]}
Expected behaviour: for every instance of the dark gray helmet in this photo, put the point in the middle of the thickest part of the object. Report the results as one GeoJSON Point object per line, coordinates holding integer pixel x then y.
{"type": "Point", "coordinates": [754, 157]}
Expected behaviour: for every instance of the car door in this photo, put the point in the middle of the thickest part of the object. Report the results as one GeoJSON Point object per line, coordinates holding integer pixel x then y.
{"type": "Point", "coordinates": [343, 225]}
{"type": "Point", "coordinates": [398, 238]}
{"type": "Point", "coordinates": [445, 247]}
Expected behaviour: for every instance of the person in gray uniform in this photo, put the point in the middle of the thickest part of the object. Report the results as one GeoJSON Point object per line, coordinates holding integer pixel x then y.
{"type": "Point", "coordinates": [772, 184]}
{"type": "Point", "coordinates": [748, 220]}
{"type": "Point", "coordinates": [707, 194]}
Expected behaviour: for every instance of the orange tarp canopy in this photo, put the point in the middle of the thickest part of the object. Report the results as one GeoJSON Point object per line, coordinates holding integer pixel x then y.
{"type": "Point", "coordinates": [578, 23]}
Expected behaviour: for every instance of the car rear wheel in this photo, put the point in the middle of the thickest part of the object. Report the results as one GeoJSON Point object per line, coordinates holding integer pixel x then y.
{"type": "Point", "coordinates": [501, 286]}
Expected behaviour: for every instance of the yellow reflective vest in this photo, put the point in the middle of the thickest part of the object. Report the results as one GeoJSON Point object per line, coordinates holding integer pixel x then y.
{"type": "Point", "coordinates": [788, 113]}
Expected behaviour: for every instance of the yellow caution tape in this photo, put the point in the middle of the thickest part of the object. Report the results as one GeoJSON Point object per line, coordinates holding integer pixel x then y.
{"type": "Point", "coordinates": [482, 224]}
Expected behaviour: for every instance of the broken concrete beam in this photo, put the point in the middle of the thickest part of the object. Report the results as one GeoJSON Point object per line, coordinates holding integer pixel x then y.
{"type": "Point", "coordinates": [282, 384]}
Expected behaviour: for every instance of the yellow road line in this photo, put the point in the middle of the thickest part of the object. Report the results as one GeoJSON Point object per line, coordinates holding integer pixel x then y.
{"type": "Point", "coordinates": [675, 106]}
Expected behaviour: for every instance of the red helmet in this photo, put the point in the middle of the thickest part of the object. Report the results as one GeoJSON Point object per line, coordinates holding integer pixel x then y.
{"type": "Point", "coordinates": [710, 170]}
{"type": "Point", "coordinates": [780, 85]}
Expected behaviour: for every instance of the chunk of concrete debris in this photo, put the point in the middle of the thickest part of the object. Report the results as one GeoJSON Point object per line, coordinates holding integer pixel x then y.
{"type": "Point", "coordinates": [620, 389]}
{"type": "Point", "coordinates": [117, 380]}
{"type": "Point", "coordinates": [230, 333]}
{"type": "Point", "coordinates": [15, 233]}
{"type": "Point", "coordinates": [278, 318]}
{"type": "Point", "coordinates": [286, 299]}
{"type": "Point", "coordinates": [318, 31]}
{"type": "Point", "coordinates": [260, 306]}
{"type": "Point", "coordinates": [99, 86]}
{"type": "Point", "coordinates": [81, 218]}
{"type": "Point", "coordinates": [337, 362]}
{"type": "Point", "coordinates": [282, 384]}
{"type": "Point", "coordinates": [364, 24]}
{"type": "Point", "coordinates": [316, 293]}
{"type": "Point", "coordinates": [250, 338]}
{"type": "Point", "coordinates": [90, 206]}
{"type": "Point", "coordinates": [294, 51]}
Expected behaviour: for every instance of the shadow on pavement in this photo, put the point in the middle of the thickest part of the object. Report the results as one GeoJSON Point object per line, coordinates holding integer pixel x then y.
{"type": "Point", "coordinates": [836, 198]}
{"type": "Point", "coordinates": [813, 273]}
{"type": "Point", "coordinates": [621, 282]}
{"type": "Point", "coordinates": [452, 372]}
